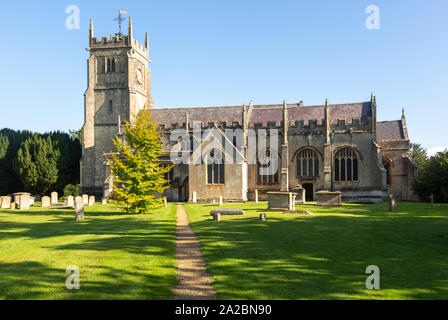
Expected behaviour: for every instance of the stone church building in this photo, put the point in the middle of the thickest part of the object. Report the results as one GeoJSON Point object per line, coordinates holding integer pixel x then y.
{"type": "Point", "coordinates": [340, 147]}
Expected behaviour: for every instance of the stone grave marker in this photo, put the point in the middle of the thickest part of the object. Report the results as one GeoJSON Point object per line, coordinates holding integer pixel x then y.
{"type": "Point", "coordinates": [6, 202]}
{"type": "Point", "coordinates": [45, 201]}
{"type": "Point", "coordinates": [194, 200]}
{"type": "Point", "coordinates": [85, 198]}
{"type": "Point", "coordinates": [70, 202]}
{"type": "Point", "coordinates": [392, 203]}
{"type": "Point", "coordinates": [165, 202]}
{"type": "Point", "coordinates": [256, 195]}
{"type": "Point", "coordinates": [13, 205]}
{"type": "Point", "coordinates": [79, 209]}
{"type": "Point", "coordinates": [263, 216]}
{"type": "Point", "coordinates": [104, 201]}
{"type": "Point", "coordinates": [220, 201]}
{"type": "Point", "coordinates": [91, 200]}
{"type": "Point", "coordinates": [54, 197]}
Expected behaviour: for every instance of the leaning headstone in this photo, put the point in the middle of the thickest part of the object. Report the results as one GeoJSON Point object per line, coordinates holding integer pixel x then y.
{"type": "Point", "coordinates": [263, 216]}
{"type": "Point", "coordinates": [256, 195]}
{"type": "Point", "coordinates": [392, 203]}
{"type": "Point", "coordinates": [220, 201]}
{"type": "Point", "coordinates": [79, 209]}
{"type": "Point", "coordinates": [194, 200]}
{"type": "Point", "coordinates": [165, 202]}
{"type": "Point", "coordinates": [6, 202]}
{"type": "Point", "coordinates": [54, 197]}
{"type": "Point", "coordinates": [104, 201]}
{"type": "Point", "coordinates": [432, 201]}
{"type": "Point", "coordinates": [85, 198]}
{"type": "Point", "coordinates": [45, 201]}
{"type": "Point", "coordinates": [70, 202]}
{"type": "Point", "coordinates": [217, 217]}
{"type": "Point", "coordinates": [91, 200]}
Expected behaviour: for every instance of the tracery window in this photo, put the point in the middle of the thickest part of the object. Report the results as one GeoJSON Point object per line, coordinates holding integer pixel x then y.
{"type": "Point", "coordinates": [346, 165]}
{"type": "Point", "coordinates": [267, 168]}
{"type": "Point", "coordinates": [215, 170]}
{"type": "Point", "coordinates": [307, 163]}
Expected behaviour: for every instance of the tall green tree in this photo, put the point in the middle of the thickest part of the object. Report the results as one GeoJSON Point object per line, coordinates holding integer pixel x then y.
{"type": "Point", "coordinates": [4, 144]}
{"type": "Point", "coordinates": [433, 178]}
{"type": "Point", "coordinates": [139, 180]}
{"type": "Point", "coordinates": [36, 164]}
{"type": "Point", "coordinates": [419, 154]}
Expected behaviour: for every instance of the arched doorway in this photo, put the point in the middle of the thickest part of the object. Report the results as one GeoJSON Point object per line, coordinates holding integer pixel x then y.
{"type": "Point", "coordinates": [184, 191]}
{"type": "Point", "coordinates": [309, 191]}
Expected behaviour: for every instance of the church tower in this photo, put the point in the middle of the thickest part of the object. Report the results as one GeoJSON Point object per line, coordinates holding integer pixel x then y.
{"type": "Point", "coordinates": [119, 85]}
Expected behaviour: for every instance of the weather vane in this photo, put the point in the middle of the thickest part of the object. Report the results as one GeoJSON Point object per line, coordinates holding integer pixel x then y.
{"type": "Point", "coordinates": [120, 19]}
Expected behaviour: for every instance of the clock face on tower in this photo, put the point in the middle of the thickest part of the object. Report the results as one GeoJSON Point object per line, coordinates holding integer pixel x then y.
{"type": "Point", "coordinates": [139, 76]}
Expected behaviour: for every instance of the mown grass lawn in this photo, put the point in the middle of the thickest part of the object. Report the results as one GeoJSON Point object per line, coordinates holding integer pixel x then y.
{"type": "Point", "coordinates": [119, 256]}
{"type": "Point", "coordinates": [325, 255]}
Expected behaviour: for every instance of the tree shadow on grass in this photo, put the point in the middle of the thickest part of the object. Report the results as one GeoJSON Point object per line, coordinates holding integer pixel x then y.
{"type": "Point", "coordinates": [33, 280]}
{"type": "Point", "coordinates": [325, 256]}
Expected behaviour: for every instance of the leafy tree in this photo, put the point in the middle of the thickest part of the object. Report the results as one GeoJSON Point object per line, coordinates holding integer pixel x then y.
{"type": "Point", "coordinates": [419, 154]}
{"type": "Point", "coordinates": [139, 178]}
{"type": "Point", "coordinates": [71, 190]}
{"type": "Point", "coordinates": [433, 178]}
{"type": "Point", "coordinates": [36, 164]}
{"type": "Point", "coordinates": [8, 176]}
{"type": "Point", "coordinates": [68, 162]}
{"type": "Point", "coordinates": [4, 144]}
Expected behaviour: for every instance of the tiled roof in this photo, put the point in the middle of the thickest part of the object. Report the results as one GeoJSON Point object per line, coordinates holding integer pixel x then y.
{"type": "Point", "coordinates": [263, 113]}
{"type": "Point", "coordinates": [204, 114]}
{"type": "Point", "coordinates": [389, 130]}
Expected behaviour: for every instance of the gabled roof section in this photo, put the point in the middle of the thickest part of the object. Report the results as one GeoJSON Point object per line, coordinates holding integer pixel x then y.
{"type": "Point", "coordinates": [206, 115]}
{"type": "Point", "coordinates": [390, 130]}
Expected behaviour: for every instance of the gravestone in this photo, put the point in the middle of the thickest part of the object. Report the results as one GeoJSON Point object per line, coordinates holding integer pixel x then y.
{"type": "Point", "coordinates": [13, 205]}
{"type": "Point", "coordinates": [54, 197]}
{"type": "Point", "coordinates": [70, 202]}
{"type": "Point", "coordinates": [85, 198]}
{"type": "Point", "coordinates": [432, 201]}
{"type": "Point", "coordinates": [22, 200]}
{"type": "Point", "coordinates": [31, 201]}
{"type": "Point", "coordinates": [392, 203]}
{"type": "Point", "coordinates": [45, 201]}
{"type": "Point", "coordinates": [6, 202]}
{"type": "Point", "coordinates": [263, 216]}
{"type": "Point", "coordinates": [104, 201]}
{"type": "Point", "coordinates": [228, 212]}
{"type": "Point", "coordinates": [91, 200]}
{"type": "Point", "coordinates": [194, 200]}
{"type": "Point", "coordinates": [79, 209]}
{"type": "Point", "coordinates": [328, 198]}
{"type": "Point", "coordinates": [217, 217]}
{"type": "Point", "coordinates": [165, 202]}
{"type": "Point", "coordinates": [256, 195]}
{"type": "Point", "coordinates": [220, 201]}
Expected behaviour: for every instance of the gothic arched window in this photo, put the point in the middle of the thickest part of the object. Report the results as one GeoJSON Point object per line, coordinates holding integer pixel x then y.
{"type": "Point", "coordinates": [215, 170]}
{"type": "Point", "coordinates": [387, 164]}
{"type": "Point", "coordinates": [346, 165]}
{"type": "Point", "coordinates": [307, 163]}
{"type": "Point", "coordinates": [267, 168]}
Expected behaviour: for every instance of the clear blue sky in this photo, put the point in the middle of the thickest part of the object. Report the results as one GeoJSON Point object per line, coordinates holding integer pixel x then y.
{"type": "Point", "coordinates": [229, 52]}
